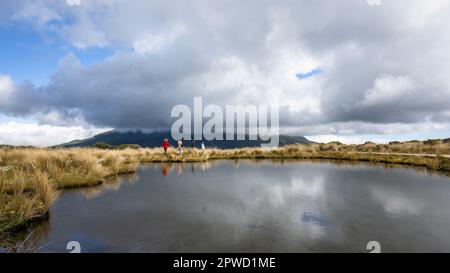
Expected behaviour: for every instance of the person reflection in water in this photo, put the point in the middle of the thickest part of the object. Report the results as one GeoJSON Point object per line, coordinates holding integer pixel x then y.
{"type": "Point", "coordinates": [165, 168]}
{"type": "Point", "coordinates": [180, 168]}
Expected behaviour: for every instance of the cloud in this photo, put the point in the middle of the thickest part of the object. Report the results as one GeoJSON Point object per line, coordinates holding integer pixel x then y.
{"type": "Point", "coordinates": [17, 133]}
{"type": "Point", "coordinates": [84, 34]}
{"type": "Point", "coordinates": [6, 89]}
{"type": "Point", "coordinates": [388, 90]}
{"type": "Point", "coordinates": [37, 12]}
{"type": "Point", "coordinates": [154, 43]}
{"type": "Point", "coordinates": [386, 66]}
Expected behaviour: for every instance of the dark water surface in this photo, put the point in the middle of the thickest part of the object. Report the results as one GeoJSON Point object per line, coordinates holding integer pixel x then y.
{"type": "Point", "coordinates": [248, 206]}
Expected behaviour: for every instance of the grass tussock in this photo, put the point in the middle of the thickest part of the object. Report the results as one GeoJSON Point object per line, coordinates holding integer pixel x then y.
{"type": "Point", "coordinates": [24, 198]}
{"type": "Point", "coordinates": [31, 178]}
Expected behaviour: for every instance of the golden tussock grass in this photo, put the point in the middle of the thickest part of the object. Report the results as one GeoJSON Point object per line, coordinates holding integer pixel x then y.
{"type": "Point", "coordinates": [31, 178]}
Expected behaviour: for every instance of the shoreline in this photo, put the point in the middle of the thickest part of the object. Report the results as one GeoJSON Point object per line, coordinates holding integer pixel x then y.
{"type": "Point", "coordinates": [43, 173]}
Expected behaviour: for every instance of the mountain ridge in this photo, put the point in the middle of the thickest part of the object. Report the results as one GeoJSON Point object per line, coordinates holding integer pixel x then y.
{"type": "Point", "coordinates": [154, 139]}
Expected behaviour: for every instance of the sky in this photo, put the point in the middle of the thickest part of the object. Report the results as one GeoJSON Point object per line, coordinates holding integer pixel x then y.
{"type": "Point", "coordinates": [351, 71]}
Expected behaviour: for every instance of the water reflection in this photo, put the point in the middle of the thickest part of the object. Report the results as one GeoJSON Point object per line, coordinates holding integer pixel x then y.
{"type": "Point", "coordinates": [112, 183]}
{"type": "Point", "coordinates": [30, 240]}
{"type": "Point", "coordinates": [168, 168]}
{"type": "Point", "coordinates": [252, 206]}
{"type": "Point", "coordinates": [309, 217]}
{"type": "Point", "coordinates": [165, 167]}
{"type": "Point", "coordinates": [397, 203]}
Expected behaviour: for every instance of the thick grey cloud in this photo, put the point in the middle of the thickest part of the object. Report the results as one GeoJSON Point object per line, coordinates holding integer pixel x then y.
{"type": "Point", "coordinates": [384, 66]}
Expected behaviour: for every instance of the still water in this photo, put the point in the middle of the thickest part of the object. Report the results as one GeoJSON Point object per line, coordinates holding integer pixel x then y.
{"type": "Point", "coordinates": [254, 206]}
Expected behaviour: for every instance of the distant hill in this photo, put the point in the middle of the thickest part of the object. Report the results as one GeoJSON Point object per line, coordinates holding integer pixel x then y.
{"type": "Point", "coordinates": [154, 139]}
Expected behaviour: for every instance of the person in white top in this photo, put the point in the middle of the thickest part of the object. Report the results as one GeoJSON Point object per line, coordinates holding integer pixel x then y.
{"type": "Point", "coordinates": [180, 147]}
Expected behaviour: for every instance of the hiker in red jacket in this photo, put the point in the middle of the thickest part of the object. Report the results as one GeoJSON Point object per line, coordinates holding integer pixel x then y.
{"type": "Point", "coordinates": [165, 145]}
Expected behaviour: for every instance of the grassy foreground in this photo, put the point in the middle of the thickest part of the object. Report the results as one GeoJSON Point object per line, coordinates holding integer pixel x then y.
{"type": "Point", "coordinates": [31, 178]}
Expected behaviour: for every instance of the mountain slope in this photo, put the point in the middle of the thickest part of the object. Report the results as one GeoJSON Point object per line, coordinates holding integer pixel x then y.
{"type": "Point", "coordinates": [155, 139]}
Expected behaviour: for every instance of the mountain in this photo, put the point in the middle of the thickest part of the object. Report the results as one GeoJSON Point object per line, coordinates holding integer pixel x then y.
{"type": "Point", "coordinates": [154, 139]}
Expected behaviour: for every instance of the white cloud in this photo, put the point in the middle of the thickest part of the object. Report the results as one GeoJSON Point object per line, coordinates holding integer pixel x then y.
{"type": "Point", "coordinates": [16, 133]}
{"type": "Point", "coordinates": [388, 89]}
{"type": "Point", "coordinates": [340, 138]}
{"type": "Point", "coordinates": [154, 43]}
{"type": "Point", "coordinates": [6, 89]}
{"type": "Point", "coordinates": [38, 12]}
{"type": "Point", "coordinates": [84, 34]}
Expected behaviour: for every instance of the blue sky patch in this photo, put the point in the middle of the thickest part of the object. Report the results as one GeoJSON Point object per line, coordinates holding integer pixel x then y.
{"type": "Point", "coordinates": [314, 72]}
{"type": "Point", "coordinates": [26, 54]}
